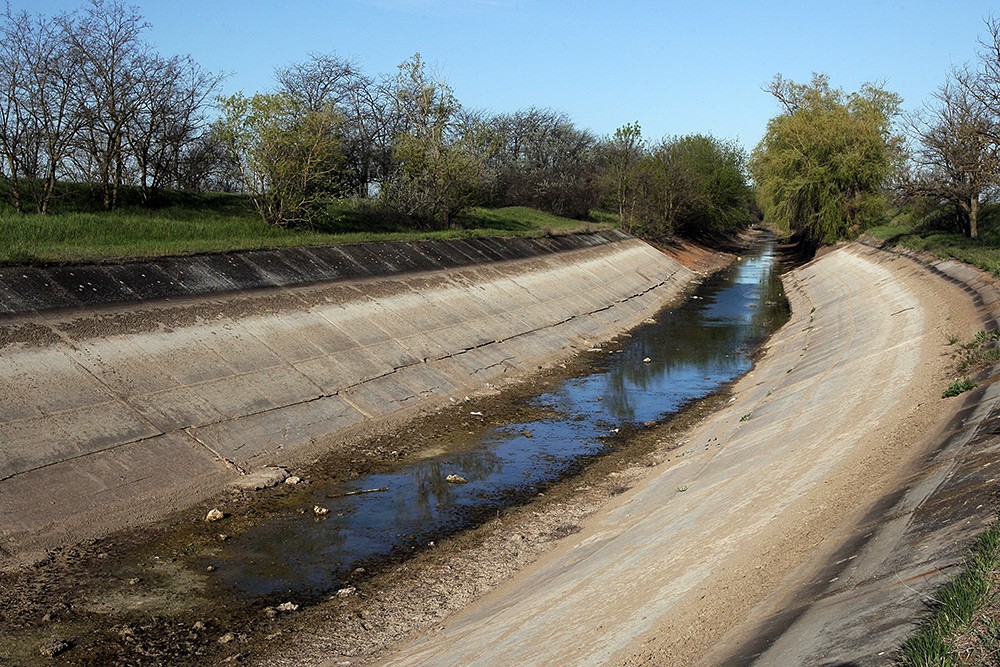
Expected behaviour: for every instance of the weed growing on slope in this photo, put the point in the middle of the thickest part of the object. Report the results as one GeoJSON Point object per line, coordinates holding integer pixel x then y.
{"type": "Point", "coordinates": [962, 623]}
{"type": "Point", "coordinates": [959, 387]}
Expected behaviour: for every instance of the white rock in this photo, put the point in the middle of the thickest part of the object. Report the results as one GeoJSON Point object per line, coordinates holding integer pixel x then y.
{"type": "Point", "coordinates": [456, 479]}
{"type": "Point", "coordinates": [214, 515]}
{"type": "Point", "coordinates": [293, 480]}
{"type": "Point", "coordinates": [320, 511]}
{"type": "Point", "coordinates": [264, 478]}
{"type": "Point", "coordinates": [288, 606]}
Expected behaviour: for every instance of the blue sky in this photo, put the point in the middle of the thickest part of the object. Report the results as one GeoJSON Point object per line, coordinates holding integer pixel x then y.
{"type": "Point", "coordinates": [676, 67]}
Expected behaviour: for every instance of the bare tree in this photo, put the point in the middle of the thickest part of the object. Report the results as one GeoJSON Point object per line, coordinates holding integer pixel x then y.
{"type": "Point", "coordinates": [37, 116]}
{"type": "Point", "coordinates": [543, 160]}
{"type": "Point", "coordinates": [110, 54]}
{"type": "Point", "coordinates": [366, 106]}
{"type": "Point", "coordinates": [957, 158]}
{"type": "Point", "coordinates": [171, 95]}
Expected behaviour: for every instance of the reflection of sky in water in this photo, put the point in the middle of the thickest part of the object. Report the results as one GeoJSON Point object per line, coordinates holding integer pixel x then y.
{"type": "Point", "coordinates": [693, 350]}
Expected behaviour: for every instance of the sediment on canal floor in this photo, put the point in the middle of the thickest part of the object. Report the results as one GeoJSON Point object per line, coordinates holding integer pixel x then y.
{"type": "Point", "coordinates": [156, 389]}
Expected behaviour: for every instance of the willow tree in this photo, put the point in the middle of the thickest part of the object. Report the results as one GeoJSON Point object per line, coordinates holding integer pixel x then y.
{"type": "Point", "coordinates": [822, 164]}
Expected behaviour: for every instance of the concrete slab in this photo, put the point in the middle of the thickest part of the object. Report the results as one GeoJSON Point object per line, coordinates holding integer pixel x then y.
{"type": "Point", "coordinates": [265, 377]}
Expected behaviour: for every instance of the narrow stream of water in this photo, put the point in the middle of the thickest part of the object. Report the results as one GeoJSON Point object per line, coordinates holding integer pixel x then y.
{"type": "Point", "coordinates": [690, 352]}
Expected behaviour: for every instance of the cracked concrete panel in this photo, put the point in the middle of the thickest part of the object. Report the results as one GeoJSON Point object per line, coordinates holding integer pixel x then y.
{"type": "Point", "coordinates": [176, 350]}
{"type": "Point", "coordinates": [104, 483]}
{"type": "Point", "coordinates": [13, 405]}
{"type": "Point", "coordinates": [390, 352]}
{"type": "Point", "coordinates": [334, 374]}
{"type": "Point", "coordinates": [51, 380]}
{"type": "Point", "coordinates": [424, 346]}
{"type": "Point", "coordinates": [176, 409]}
{"type": "Point", "coordinates": [28, 443]}
{"type": "Point", "coordinates": [314, 330]}
{"type": "Point", "coordinates": [123, 367]}
{"type": "Point", "coordinates": [284, 337]}
{"type": "Point", "coordinates": [272, 437]}
{"type": "Point", "coordinates": [483, 363]}
{"type": "Point", "coordinates": [237, 347]}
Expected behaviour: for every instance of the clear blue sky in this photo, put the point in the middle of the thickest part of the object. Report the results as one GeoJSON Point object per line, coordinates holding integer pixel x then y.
{"type": "Point", "coordinates": [676, 67]}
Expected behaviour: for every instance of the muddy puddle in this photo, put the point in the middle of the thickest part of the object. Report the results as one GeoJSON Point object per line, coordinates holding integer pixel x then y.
{"type": "Point", "coordinates": [683, 355]}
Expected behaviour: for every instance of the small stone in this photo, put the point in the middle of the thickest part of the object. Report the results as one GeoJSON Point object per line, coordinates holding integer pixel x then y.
{"type": "Point", "coordinates": [223, 537]}
{"type": "Point", "coordinates": [198, 625]}
{"type": "Point", "coordinates": [358, 572]}
{"type": "Point", "coordinates": [47, 618]}
{"type": "Point", "coordinates": [270, 612]}
{"type": "Point", "coordinates": [293, 480]}
{"type": "Point", "coordinates": [320, 511]}
{"type": "Point", "coordinates": [210, 568]}
{"type": "Point", "coordinates": [214, 515]}
{"type": "Point", "coordinates": [226, 638]}
{"type": "Point", "coordinates": [263, 478]}
{"type": "Point", "coordinates": [347, 592]}
{"type": "Point", "coordinates": [288, 606]}
{"type": "Point", "coordinates": [456, 479]}
{"type": "Point", "coordinates": [55, 647]}
{"type": "Point", "coordinates": [133, 581]}
{"type": "Point", "coordinates": [646, 360]}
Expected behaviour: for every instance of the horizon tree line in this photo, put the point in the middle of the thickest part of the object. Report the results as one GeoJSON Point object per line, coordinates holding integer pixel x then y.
{"type": "Point", "coordinates": [85, 98]}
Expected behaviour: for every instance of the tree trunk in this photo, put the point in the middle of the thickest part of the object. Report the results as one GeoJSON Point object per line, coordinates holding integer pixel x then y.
{"type": "Point", "coordinates": [974, 217]}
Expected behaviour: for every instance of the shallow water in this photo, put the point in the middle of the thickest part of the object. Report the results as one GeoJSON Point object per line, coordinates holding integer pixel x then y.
{"type": "Point", "coordinates": [693, 351]}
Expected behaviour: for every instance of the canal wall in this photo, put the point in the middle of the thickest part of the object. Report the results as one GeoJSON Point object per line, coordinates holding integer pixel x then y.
{"type": "Point", "coordinates": [131, 390]}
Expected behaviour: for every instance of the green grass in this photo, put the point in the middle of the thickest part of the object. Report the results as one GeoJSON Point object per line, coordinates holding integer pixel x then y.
{"type": "Point", "coordinates": [963, 614]}
{"type": "Point", "coordinates": [930, 234]}
{"type": "Point", "coordinates": [959, 387]}
{"type": "Point", "coordinates": [190, 224]}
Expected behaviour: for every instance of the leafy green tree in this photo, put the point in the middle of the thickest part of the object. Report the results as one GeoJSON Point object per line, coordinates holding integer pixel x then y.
{"type": "Point", "coordinates": [288, 156]}
{"type": "Point", "coordinates": [624, 152]}
{"type": "Point", "coordinates": [438, 171]}
{"type": "Point", "coordinates": [822, 164]}
{"type": "Point", "coordinates": [693, 185]}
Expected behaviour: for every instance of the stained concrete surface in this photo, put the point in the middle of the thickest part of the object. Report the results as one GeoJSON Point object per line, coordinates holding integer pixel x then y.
{"type": "Point", "coordinates": [112, 414]}
{"type": "Point", "coordinates": [787, 528]}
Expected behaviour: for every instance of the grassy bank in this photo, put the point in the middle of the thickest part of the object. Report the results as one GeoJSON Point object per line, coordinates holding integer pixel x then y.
{"type": "Point", "coordinates": [188, 224]}
{"type": "Point", "coordinates": [963, 627]}
{"type": "Point", "coordinates": [930, 233]}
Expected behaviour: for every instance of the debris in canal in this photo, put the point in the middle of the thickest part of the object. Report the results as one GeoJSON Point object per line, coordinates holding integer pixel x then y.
{"type": "Point", "coordinates": [357, 493]}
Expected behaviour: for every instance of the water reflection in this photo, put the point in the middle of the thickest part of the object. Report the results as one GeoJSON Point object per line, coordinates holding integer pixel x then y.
{"type": "Point", "coordinates": [692, 351]}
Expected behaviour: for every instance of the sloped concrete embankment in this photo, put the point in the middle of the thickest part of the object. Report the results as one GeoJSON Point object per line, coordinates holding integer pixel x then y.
{"type": "Point", "coordinates": [114, 411]}
{"type": "Point", "coordinates": [876, 593]}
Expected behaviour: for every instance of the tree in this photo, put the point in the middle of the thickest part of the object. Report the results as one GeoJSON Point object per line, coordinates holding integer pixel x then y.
{"type": "Point", "coordinates": [170, 96]}
{"type": "Point", "coordinates": [624, 150]}
{"type": "Point", "coordinates": [693, 185]}
{"type": "Point", "coordinates": [109, 56]}
{"type": "Point", "coordinates": [957, 158]}
{"type": "Point", "coordinates": [822, 163]}
{"type": "Point", "coordinates": [37, 116]}
{"type": "Point", "coordinates": [544, 161]}
{"type": "Point", "coordinates": [436, 175]}
{"type": "Point", "coordinates": [366, 106]}
{"type": "Point", "coordinates": [288, 156]}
